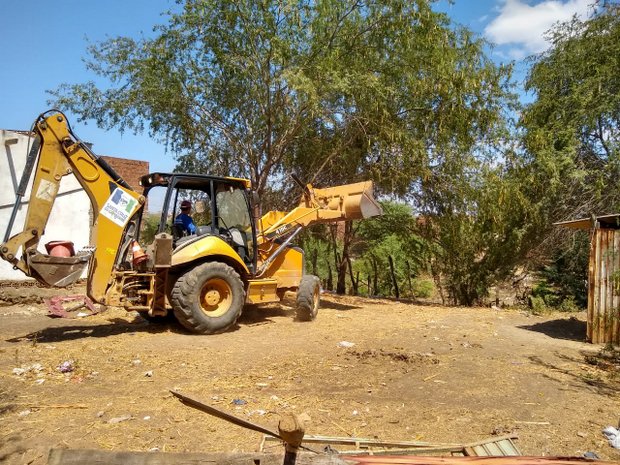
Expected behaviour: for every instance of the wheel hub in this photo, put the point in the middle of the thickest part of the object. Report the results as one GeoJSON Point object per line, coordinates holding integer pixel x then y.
{"type": "Point", "coordinates": [216, 297]}
{"type": "Point", "coordinates": [212, 297]}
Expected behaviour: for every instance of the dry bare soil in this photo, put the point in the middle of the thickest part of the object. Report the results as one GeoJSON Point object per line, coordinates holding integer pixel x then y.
{"type": "Point", "coordinates": [415, 372]}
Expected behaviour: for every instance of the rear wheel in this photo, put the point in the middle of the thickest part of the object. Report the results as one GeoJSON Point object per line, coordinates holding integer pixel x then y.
{"type": "Point", "coordinates": [208, 299]}
{"type": "Point", "coordinates": [308, 297]}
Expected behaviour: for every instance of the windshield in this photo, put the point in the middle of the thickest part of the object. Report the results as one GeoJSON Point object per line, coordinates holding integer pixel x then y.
{"type": "Point", "coordinates": [233, 209]}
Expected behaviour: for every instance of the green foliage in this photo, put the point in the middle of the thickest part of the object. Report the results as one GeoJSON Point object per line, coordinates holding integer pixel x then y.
{"type": "Point", "coordinates": [572, 127]}
{"type": "Point", "coordinates": [571, 136]}
{"type": "Point", "coordinates": [337, 91]}
{"type": "Point", "coordinates": [389, 235]}
{"type": "Point", "coordinates": [149, 226]}
{"type": "Point", "coordinates": [479, 226]}
{"type": "Point", "coordinates": [331, 89]}
{"type": "Point", "coordinates": [423, 288]}
{"type": "Point", "coordinates": [565, 276]}
{"type": "Point", "coordinates": [538, 305]}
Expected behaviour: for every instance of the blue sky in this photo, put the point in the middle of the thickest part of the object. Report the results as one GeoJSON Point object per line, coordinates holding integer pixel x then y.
{"type": "Point", "coordinates": [44, 44]}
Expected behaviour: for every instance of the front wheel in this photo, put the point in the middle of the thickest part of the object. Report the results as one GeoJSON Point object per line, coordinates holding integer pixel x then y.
{"type": "Point", "coordinates": [208, 299]}
{"type": "Point", "coordinates": [308, 297]}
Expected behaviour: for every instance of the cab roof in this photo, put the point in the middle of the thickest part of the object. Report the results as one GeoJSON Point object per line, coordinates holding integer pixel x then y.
{"type": "Point", "coordinates": [189, 180]}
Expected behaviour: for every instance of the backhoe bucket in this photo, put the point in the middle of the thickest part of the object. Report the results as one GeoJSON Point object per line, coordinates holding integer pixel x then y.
{"type": "Point", "coordinates": [354, 201]}
{"type": "Point", "coordinates": [57, 271]}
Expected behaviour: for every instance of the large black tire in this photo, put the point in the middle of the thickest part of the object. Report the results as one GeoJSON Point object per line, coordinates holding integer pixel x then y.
{"type": "Point", "coordinates": [208, 299]}
{"type": "Point", "coordinates": [308, 298]}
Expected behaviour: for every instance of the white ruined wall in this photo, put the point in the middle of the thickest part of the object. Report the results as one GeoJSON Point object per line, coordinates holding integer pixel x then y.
{"type": "Point", "coordinates": [69, 219]}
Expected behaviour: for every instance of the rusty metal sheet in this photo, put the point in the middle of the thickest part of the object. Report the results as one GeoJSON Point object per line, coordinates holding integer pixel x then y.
{"type": "Point", "coordinates": [604, 221]}
{"type": "Point", "coordinates": [494, 446]}
{"type": "Point", "coordinates": [503, 448]}
{"type": "Point", "coordinates": [521, 460]}
{"type": "Point", "coordinates": [603, 286]}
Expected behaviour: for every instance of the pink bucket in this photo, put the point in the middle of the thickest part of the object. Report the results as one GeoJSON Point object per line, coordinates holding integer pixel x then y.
{"type": "Point", "coordinates": [60, 248]}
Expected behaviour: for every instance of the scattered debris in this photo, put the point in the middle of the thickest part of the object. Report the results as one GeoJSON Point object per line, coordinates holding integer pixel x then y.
{"type": "Point", "coordinates": [35, 368]}
{"type": "Point", "coordinates": [346, 344]}
{"type": "Point", "coordinates": [348, 446]}
{"type": "Point", "coordinates": [613, 436]}
{"type": "Point", "coordinates": [395, 356]}
{"type": "Point", "coordinates": [66, 367]}
{"type": "Point", "coordinates": [120, 419]}
{"type": "Point", "coordinates": [239, 402]}
{"type": "Point", "coordinates": [56, 306]}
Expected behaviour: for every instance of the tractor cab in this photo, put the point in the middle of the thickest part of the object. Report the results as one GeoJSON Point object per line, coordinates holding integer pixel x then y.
{"type": "Point", "coordinates": [193, 207]}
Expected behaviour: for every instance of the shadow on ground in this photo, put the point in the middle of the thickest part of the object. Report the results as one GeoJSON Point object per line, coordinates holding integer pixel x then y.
{"type": "Point", "coordinates": [116, 326]}
{"type": "Point", "coordinates": [257, 315]}
{"type": "Point", "coordinates": [330, 304]}
{"type": "Point", "coordinates": [571, 329]}
{"type": "Point", "coordinates": [598, 382]}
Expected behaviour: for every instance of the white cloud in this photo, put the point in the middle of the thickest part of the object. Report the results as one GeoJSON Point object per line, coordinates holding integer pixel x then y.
{"type": "Point", "coordinates": [522, 26]}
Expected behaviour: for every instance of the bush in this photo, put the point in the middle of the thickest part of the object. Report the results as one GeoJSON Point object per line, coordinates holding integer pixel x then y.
{"type": "Point", "coordinates": [538, 305]}
{"type": "Point", "coordinates": [150, 224]}
{"type": "Point", "coordinates": [423, 288]}
{"type": "Point", "coordinates": [545, 299]}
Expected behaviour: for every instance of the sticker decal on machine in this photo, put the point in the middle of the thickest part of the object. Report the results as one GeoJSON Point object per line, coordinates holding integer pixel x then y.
{"type": "Point", "coordinates": [47, 190]}
{"type": "Point", "coordinates": [119, 207]}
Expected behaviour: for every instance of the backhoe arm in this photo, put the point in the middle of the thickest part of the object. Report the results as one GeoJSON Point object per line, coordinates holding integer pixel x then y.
{"type": "Point", "coordinates": [112, 200]}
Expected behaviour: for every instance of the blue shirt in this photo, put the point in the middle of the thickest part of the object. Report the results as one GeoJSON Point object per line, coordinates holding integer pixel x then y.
{"type": "Point", "coordinates": [186, 221]}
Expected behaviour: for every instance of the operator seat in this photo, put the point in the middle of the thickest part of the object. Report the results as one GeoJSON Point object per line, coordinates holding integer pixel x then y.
{"type": "Point", "coordinates": [241, 242]}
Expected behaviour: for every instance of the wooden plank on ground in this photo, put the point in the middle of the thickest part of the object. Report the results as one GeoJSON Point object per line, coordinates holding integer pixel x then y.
{"type": "Point", "coordinates": [104, 457]}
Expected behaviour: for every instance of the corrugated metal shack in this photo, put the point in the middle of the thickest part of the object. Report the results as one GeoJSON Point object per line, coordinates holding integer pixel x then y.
{"type": "Point", "coordinates": [603, 276]}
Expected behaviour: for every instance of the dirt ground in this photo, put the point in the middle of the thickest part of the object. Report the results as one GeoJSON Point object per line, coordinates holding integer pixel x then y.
{"type": "Point", "coordinates": [365, 368]}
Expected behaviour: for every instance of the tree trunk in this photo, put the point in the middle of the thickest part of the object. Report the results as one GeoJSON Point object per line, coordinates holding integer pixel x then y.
{"type": "Point", "coordinates": [330, 277]}
{"type": "Point", "coordinates": [394, 282]}
{"type": "Point", "coordinates": [409, 279]}
{"type": "Point", "coordinates": [342, 260]}
{"type": "Point", "coordinates": [375, 278]}
{"type": "Point", "coordinates": [353, 281]}
{"type": "Point", "coordinates": [313, 260]}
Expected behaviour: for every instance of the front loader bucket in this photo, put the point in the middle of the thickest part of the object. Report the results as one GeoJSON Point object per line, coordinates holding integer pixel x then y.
{"type": "Point", "coordinates": [329, 205]}
{"type": "Point", "coordinates": [353, 201]}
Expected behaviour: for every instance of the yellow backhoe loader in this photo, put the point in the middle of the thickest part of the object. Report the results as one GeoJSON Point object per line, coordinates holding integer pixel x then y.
{"type": "Point", "coordinates": [205, 273]}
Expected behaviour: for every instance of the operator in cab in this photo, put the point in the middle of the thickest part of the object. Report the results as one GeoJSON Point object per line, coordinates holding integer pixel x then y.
{"type": "Point", "coordinates": [184, 221]}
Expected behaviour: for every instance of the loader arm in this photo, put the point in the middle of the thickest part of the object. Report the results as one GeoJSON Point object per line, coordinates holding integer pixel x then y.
{"type": "Point", "coordinates": [328, 205]}
{"type": "Point", "coordinates": [113, 204]}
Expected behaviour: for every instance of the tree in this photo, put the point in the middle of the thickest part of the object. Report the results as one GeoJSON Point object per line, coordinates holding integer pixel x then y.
{"type": "Point", "coordinates": [572, 139]}
{"type": "Point", "coordinates": [480, 225]}
{"type": "Point", "coordinates": [572, 128]}
{"type": "Point", "coordinates": [260, 89]}
{"type": "Point", "coordinates": [336, 91]}
{"type": "Point", "coordinates": [392, 234]}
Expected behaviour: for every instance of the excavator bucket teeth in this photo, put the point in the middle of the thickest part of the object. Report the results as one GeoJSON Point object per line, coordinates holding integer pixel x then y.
{"type": "Point", "coordinates": [354, 201]}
